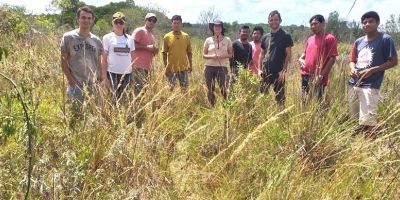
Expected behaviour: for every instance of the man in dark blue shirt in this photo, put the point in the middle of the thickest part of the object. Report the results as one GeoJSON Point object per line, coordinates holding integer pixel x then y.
{"type": "Point", "coordinates": [371, 55]}
{"type": "Point", "coordinates": [275, 55]}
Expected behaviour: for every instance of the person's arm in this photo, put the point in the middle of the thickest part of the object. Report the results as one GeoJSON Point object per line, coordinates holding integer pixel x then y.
{"type": "Point", "coordinates": [260, 60]}
{"type": "Point", "coordinates": [392, 61]}
{"type": "Point", "coordinates": [189, 55]}
{"type": "Point", "coordinates": [327, 68]}
{"type": "Point", "coordinates": [288, 55]}
{"type": "Point", "coordinates": [353, 70]}
{"type": "Point", "coordinates": [67, 70]}
{"type": "Point", "coordinates": [104, 64]}
{"type": "Point", "coordinates": [302, 60]}
{"type": "Point", "coordinates": [205, 52]}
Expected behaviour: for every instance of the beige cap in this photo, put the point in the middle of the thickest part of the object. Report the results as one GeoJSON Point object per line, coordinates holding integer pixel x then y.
{"type": "Point", "coordinates": [118, 15]}
{"type": "Point", "coordinates": [148, 15]}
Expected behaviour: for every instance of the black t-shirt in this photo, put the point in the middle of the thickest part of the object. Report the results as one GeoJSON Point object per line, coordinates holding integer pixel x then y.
{"type": "Point", "coordinates": [273, 63]}
{"type": "Point", "coordinates": [242, 54]}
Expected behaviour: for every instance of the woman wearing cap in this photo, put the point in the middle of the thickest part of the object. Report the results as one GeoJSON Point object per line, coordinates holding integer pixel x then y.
{"type": "Point", "coordinates": [118, 56]}
{"type": "Point", "coordinates": [216, 52]}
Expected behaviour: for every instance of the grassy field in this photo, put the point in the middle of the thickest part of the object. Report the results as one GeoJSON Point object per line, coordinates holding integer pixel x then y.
{"type": "Point", "coordinates": [244, 148]}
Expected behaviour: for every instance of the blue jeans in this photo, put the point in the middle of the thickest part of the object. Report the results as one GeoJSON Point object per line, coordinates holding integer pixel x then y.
{"type": "Point", "coordinates": [315, 89]}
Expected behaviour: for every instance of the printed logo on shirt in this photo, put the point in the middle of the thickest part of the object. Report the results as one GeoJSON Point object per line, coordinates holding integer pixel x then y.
{"type": "Point", "coordinates": [85, 45]}
{"type": "Point", "coordinates": [364, 59]}
{"type": "Point", "coordinates": [122, 49]}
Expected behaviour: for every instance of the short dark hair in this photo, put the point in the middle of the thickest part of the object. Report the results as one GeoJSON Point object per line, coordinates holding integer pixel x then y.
{"type": "Point", "coordinates": [275, 12]}
{"type": "Point", "coordinates": [258, 28]}
{"type": "Point", "coordinates": [370, 14]}
{"type": "Point", "coordinates": [176, 17]}
{"type": "Point", "coordinates": [244, 27]}
{"type": "Point", "coordinates": [85, 9]}
{"type": "Point", "coordinates": [318, 17]}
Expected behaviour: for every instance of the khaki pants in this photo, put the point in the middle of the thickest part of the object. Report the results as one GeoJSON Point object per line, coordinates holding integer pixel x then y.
{"type": "Point", "coordinates": [364, 105]}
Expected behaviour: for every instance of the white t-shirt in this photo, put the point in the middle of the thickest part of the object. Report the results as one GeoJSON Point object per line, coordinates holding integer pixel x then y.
{"type": "Point", "coordinates": [118, 49]}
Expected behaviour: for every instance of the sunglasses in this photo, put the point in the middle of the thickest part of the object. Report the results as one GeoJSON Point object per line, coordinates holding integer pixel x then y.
{"type": "Point", "coordinates": [120, 22]}
{"type": "Point", "coordinates": [152, 19]}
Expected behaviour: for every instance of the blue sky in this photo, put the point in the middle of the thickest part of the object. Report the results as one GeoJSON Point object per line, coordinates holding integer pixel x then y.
{"type": "Point", "coordinates": [254, 11]}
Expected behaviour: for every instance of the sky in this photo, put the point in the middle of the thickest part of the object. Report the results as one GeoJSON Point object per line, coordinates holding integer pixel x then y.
{"type": "Point", "coordinates": [252, 11]}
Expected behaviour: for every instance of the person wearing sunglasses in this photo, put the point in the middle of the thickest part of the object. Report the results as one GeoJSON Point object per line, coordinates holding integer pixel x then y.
{"type": "Point", "coordinates": [217, 50]}
{"type": "Point", "coordinates": [117, 56]}
{"type": "Point", "coordinates": [145, 50]}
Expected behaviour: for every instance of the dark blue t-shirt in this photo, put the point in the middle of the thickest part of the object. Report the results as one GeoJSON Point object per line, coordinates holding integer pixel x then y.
{"type": "Point", "coordinates": [367, 54]}
{"type": "Point", "coordinates": [274, 57]}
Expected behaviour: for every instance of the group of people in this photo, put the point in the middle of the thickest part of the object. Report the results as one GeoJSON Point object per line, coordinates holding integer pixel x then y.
{"type": "Point", "coordinates": [122, 59]}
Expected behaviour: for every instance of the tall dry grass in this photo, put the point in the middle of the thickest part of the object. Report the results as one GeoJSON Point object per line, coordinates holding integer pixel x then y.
{"type": "Point", "coordinates": [244, 148]}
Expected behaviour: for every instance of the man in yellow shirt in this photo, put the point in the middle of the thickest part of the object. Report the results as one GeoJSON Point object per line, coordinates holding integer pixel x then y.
{"type": "Point", "coordinates": [177, 55]}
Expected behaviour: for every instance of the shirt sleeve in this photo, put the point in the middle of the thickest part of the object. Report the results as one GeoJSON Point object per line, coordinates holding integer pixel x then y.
{"type": "Point", "coordinates": [106, 44]}
{"type": "Point", "coordinates": [389, 48]}
{"type": "Point", "coordinates": [137, 35]}
{"type": "Point", "coordinates": [189, 46]}
{"type": "Point", "coordinates": [165, 48]}
{"type": "Point", "coordinates": [132, 43]}
{"type": "Point", "coordinates": [353, 53]}
{"type": "Point", "coordinates": [63, 45]}
{"type": "Point", "coordinates": [289, 41]}
{"type": "Point", "coordinates": [332, 47]}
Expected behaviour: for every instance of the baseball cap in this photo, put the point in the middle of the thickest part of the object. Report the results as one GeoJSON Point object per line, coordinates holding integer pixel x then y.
{"type": "Point", "coordinates": [119, 15]}
{"type": "Point", "coordinates": [148, 15]}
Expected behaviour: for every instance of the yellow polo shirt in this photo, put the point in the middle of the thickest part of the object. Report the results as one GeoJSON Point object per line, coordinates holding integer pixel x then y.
{"type": "Point", "coordinates": [177, 47]}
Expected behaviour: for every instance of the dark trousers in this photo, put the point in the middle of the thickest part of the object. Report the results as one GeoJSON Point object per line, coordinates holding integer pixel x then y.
{"type": "Point", "coordinates": [215, 74]}
{"type": "Point", "coordinates": [140, 79]}
{"type": "Point", "coordinates": [268, 79]}
{"type": "Point", "coordinates": [310, 89]}
{"type": "Point", "coordinates": [118, 82]}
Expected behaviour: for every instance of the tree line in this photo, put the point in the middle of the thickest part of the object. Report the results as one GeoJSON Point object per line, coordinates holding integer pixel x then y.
{"type": "Point", "coordinates": [17, 22]}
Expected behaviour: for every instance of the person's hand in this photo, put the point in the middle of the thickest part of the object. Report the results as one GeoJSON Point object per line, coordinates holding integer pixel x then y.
{"type": "Point", "coordinates": [366, 73]}
{"type": "Point", "coordinates": [354, 73]}
{"type": "Point", "coordinates": [190, 69]}
{"type": "Point", "coordinates": [318, 80]}
{"type": "Point", "coordinates": [302, 63]}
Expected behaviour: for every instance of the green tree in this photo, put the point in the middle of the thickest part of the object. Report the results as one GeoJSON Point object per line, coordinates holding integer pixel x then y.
{"type": "Point", "coordinates": [68, 9]}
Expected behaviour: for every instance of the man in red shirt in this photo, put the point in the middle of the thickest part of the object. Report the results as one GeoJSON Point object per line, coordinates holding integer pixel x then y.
{"type": "Point", "coordinates": [318, 58]}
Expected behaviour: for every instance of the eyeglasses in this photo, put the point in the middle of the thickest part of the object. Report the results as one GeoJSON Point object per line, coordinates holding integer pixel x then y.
{"type": "Point", "coordinates": [120, 22]}
{"type": "Point", "coordinates": [152, 19]}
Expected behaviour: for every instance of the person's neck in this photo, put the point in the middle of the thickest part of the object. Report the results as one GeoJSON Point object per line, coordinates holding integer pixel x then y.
{"type": "Point", "coordinates": [119, 32]}
{"type": "Point", "coordinates": [177, 32]}
{"type": "Point", "coordinates": [84, 32]}
{"type": "Point", "coordinates": [217, 36]}
{"type": "Point", "coordinates": [243, 40]}
{"type": "Point", "coordinates": [257, 41]}
{"type": "Point", "coordinates": [275, 30]}
{"type": "Point", "coordinates": [372, 35]}
{"type": "Point", "coordinates": [321, 33]}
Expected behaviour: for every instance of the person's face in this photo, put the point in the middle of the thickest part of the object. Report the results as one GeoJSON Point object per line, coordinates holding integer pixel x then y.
{"type": "Point", "coordinates": [176, 25]}
{"type": "Point", "coordinates": [244, 33]}
{"type": "Point", "coordinates": [85, 20]}
{"type": "Point", "coordinates": [256, 36]}
{"type": "Point", "coordinates": [118, 24]}
{"type": "Point", "coordinates": [151, 22]}
{"type": "Point", "coordinates": [274, 22]}
{"type": "Point", "coordinates": [217, 29]}
{"type": "Point", "coordinates": [316, 26]}
{"type": "Point", "coordinates": [370, 25]}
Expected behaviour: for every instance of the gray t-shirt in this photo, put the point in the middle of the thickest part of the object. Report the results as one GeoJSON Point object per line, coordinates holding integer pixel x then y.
{"type": "Point", "coordinates": [84, 53]}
